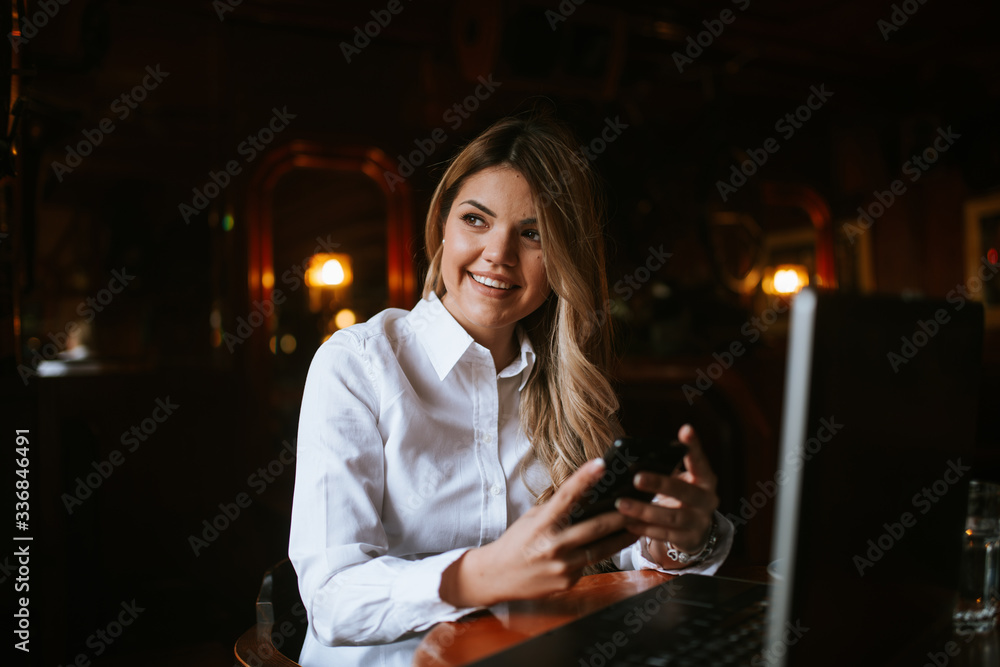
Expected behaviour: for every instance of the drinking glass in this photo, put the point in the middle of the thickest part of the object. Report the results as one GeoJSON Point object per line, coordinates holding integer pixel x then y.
{"type": "Point", "coordinates": [976, 607]}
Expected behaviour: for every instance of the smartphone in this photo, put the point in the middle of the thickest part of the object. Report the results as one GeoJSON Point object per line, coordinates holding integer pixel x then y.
{"type": "Point", "coordinates": [622, 461]}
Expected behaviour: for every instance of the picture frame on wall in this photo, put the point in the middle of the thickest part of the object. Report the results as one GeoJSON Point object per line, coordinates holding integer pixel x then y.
{"type": "Point", "coordinates": [982, 245]}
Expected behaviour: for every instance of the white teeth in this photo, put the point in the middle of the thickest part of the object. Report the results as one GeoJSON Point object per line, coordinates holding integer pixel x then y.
{"type": "Point", "coordinates": [490, 282]}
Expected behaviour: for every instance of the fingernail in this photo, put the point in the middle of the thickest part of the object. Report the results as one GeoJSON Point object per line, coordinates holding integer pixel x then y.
{"type": "Point", "coordinates": [638, 480]}
{"type": "Point", "coordinates": [623, 504]}
{"type": "Point", "coordinates": [596, 464]}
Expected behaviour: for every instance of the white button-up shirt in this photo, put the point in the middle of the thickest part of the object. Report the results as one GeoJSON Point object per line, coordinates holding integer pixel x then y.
{"type": "Point", "coordinates": [410, 453]}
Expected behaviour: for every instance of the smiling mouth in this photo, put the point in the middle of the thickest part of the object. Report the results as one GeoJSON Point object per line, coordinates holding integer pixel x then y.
{"type": "Point", "coordinates": [489, 282]}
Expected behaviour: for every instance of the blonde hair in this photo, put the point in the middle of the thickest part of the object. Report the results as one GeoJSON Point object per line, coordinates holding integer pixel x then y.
{"type": "Point", "coordinates": [568, 407]}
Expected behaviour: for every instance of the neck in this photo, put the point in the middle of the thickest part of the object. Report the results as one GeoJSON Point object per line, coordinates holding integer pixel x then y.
{"type": "Point", "coordinates": [502, 342]}
{"type": "Point", "coordinates": [504, 347]}
{"type": "Point", "coordinates": [504, 356]}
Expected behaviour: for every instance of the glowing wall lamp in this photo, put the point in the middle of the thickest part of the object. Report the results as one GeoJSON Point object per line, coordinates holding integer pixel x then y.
{"type": "Point", "coordinates": [329, 270]}
{"type": "Point", "coordinates": [784, 279]}
{"type": "Point", "coordinates": [326, 272]}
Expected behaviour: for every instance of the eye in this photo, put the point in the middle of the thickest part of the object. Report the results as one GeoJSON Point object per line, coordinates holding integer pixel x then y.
{"type": "Point", "coordinates": [533, 235]}
{"type": "Point", "coordinates": [473, 220]}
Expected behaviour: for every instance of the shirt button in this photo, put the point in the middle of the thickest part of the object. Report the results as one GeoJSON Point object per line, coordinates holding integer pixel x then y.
{"type": "Point", "coordinates": [495, 490]}
{"type": "Point", "coordinates": [488, 438]}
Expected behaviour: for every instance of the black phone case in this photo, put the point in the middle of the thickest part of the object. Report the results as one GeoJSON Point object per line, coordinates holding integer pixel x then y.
{"type": "Point", "coordinates": [622, 461]}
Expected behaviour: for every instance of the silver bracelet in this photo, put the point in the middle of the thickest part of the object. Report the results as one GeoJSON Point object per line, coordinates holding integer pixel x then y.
{"type": "Point", "coordinates": [693, 559]}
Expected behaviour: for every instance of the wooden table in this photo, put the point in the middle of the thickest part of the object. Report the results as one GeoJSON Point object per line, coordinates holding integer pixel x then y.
{"type": "Point", "coordinates": [483, 634]}
{"type": "Point", "coordinates": [478, 636]}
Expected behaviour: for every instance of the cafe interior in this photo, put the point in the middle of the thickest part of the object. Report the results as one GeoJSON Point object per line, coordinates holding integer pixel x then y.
{"type": "Point", "coordinates": [197, 194]}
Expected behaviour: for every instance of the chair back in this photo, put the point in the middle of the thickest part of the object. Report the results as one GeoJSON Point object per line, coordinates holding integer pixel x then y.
{"type": "Point", "coordinates": [281, 627]}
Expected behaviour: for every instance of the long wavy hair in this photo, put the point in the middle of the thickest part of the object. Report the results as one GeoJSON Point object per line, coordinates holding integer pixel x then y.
{"type": "Point", "coordinates": [568, 408]}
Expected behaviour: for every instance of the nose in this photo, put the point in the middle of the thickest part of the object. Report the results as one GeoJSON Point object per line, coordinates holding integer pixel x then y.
{"type": "Point", "coordinates": [501, 247]}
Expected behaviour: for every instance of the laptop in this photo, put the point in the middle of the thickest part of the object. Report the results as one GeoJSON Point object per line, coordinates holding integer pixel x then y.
{"type": "Point", "coordinates": [878, 428]}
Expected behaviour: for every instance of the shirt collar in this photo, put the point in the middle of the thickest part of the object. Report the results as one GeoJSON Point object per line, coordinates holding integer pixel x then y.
{"type": "Point", "coordinates": [524, 361]}
{"type": "Point", "coordinates": [445, 341]}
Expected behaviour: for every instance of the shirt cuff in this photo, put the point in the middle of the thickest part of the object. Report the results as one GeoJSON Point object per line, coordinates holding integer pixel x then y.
{"type": "Point", "coordinates": [419, 591]}
{"type": "Point", "coordinates": [642, 560]}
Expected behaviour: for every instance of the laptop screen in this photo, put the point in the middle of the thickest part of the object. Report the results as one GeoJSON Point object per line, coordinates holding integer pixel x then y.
{"type": "Point", "coordinates": [878, 429]}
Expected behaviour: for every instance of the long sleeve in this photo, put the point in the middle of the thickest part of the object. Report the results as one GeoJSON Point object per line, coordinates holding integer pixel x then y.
{"type": "Point", "coordinates": [354, 592]}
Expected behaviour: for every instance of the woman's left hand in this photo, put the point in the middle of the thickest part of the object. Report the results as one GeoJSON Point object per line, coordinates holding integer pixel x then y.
{"type": "Point", "coordinates": [682, 510]}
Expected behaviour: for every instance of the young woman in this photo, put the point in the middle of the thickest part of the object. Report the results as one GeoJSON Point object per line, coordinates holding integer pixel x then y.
{"type": "Point", "coordinates": [441, 450]}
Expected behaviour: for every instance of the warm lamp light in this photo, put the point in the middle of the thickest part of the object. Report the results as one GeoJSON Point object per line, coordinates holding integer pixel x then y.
{"type": "Point", "coordinates": [328, 273]}
{"type": "Point", "coordinates": [784, 279]}
{"type": "Point", "coordinates": [345, 318]}
{"type": "Point", "coordinates": [329, 270]}
{"type": "Point", "coordinates": [332, 272]}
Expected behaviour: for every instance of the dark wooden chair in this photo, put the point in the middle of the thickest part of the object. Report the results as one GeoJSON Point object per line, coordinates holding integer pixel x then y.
{"type": "Point", "coordinates": [281, 622]}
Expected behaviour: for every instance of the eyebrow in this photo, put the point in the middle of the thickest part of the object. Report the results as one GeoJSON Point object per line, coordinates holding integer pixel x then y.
{"type": "Point", "coordinates": [487, 211]}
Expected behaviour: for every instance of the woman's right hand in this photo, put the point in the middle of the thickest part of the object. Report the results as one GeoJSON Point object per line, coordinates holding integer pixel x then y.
{"type": "Point", "coordinates": [540, 553]}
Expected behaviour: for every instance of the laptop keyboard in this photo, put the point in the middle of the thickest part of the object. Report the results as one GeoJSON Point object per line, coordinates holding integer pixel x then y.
{"type": "Point", "coordinates": [726, 633]}
{"type": "Point", "coordinates": [714, 638]}
{"type": "Point", "coordinates": [694, 620]}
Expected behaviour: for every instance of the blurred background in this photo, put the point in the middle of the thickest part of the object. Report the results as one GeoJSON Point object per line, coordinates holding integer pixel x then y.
{"type": "Point", "coordinates": [196, 194]}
